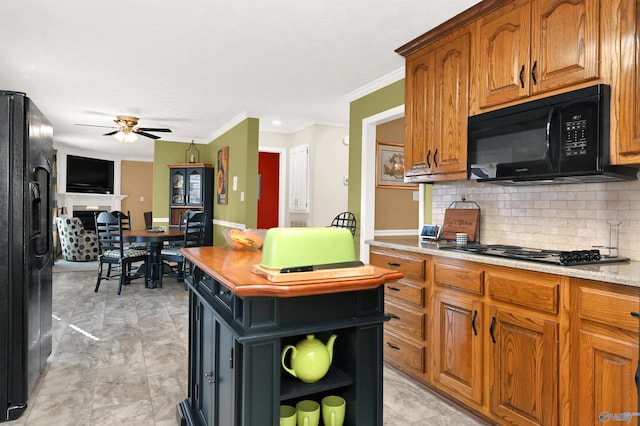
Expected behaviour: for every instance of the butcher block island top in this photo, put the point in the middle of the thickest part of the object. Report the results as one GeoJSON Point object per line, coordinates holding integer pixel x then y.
{"type": "Point", "coordinates": [235, 269]}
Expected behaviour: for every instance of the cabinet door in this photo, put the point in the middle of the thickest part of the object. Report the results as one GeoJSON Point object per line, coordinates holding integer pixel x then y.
{"type": "Point", "coordinates": [606, 379]}
{"type": "Point", "coordinates": [629, 107]}
{"type": "Point", "coordinates": [226, 380]}
{"type": "Point", "coordinates": [216, 401]}
{"type": "Point", "coordinates": [451, 105]}
{"type": "Point", "coordinates": [564, 43]}
{"type": "Point", "coordinates": [419, 104]}
{"type": "Point", "coordinates": [503, 49]}
{"type": "Point", "coordinates": [523, 371]}
{"type": "Point", "coordinates": [177, 187]}
{"type": "Point", "coordinates": [458, 346]}
{"type": "Point", "coordinates": [206, 374]}
{"type": "Point", "coordinates": [194, 187]}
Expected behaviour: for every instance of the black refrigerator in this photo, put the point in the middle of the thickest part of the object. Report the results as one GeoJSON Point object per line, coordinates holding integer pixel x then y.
{"type": "Point", "coordinates": [26, 255]}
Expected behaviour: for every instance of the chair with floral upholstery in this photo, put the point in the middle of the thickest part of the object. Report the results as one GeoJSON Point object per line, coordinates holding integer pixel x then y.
{"type": "Point", "coordinates": [78, 244]}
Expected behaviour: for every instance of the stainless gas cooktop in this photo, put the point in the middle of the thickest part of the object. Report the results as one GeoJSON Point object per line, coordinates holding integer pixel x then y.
{"type": "Point", "coordinates": [556, 257]}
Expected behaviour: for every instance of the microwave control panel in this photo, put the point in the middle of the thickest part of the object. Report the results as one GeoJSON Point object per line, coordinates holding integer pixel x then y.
{"type": "Point", "coordinates": [576, 132]}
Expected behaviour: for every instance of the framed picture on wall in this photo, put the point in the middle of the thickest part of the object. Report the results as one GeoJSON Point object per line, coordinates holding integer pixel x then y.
{"type": "Point", "coordinates": [390, 166]}
{"type": "Point", "coordinates": [222, 177]}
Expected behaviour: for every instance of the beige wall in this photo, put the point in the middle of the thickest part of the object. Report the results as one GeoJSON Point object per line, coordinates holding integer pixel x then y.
{"type": "Point", "coordinates": [394, 208]}
{"type": "Point", "coordinates": [137, 184]}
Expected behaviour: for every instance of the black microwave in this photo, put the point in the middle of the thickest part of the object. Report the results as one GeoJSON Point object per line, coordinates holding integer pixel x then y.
{"type": "Point", "coordinates": [558, 139]}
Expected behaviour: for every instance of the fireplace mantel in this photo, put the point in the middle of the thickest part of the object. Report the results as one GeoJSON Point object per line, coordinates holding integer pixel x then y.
{"type": "Point", "coordinates": [80, 201]}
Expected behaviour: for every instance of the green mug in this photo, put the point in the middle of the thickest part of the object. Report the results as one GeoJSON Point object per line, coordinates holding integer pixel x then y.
{"type": "Point", "coordinates": [308, 413]}
{"type": "Point", "coordinates": [287, 415]}
{"type": "Point", "coordinates": [333, 410]}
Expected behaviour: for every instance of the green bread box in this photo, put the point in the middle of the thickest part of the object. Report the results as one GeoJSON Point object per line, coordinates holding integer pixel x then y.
{"type": "Point", "coordinates": [293, 247]}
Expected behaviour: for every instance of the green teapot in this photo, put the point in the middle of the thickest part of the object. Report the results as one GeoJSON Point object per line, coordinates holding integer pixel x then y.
{"type": "Point", "coordinates": [310, 358]}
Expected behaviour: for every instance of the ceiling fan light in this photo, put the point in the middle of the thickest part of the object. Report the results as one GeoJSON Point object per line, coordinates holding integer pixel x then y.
{"type": "Point", "coordinates": [126, 137]}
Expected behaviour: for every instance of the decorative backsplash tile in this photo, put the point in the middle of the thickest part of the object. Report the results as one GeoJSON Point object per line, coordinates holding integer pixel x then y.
{"type": "Point", "coordinates": [565, 217]}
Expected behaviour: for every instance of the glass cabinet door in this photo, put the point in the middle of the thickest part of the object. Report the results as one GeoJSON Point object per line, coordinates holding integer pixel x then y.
{"type": "Point", "coordinates": [195, 188]}
{"type": "Point", "coordinates": [177, 187]}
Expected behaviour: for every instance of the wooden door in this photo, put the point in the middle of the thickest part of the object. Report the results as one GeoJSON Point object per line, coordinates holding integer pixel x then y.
{"type": "Point", "coordinates": [564, 43]}
{"type": "Point", "coordinates": [458, 335]}
{"type": "Point", "coordinates": [451, 104]}
{"type": "Point", "coordinates": [419, 103]}
{"type": "Point", "coordinates": [523, 372]}
{"type": "Point", "coordinates": [503, 52]}
{"type": "Point", "coordinates": [606, 379]}
{"type": "Point", "coordinates": [268, 189]}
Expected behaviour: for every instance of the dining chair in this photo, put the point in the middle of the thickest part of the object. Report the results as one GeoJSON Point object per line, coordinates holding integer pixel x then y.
{"type": "Point", "coordinates": [345, 220]}
{"type": "Point", "coordinates": [113, 251]}
{"type": "Point", "coordinates": [148, 220]}
{"type": "Point", "coordinates": [194, 227]}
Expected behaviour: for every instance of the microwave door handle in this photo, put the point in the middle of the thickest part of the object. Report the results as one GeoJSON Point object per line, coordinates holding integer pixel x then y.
{"type": "Point", "coordinates": [552, 112]}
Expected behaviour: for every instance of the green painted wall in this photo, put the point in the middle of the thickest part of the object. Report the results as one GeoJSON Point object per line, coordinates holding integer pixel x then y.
{"type": "Point", "coordinates": [374, 103]}
{"type": "Point", "coordinates": [242, 141]}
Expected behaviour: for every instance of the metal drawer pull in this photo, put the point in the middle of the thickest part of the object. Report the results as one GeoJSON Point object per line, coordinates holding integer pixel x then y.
{"type": "Point", "coordinates": [533, 73]}
{"type": "Point", "coordinates": [473, 323]}
{"type": "Point", "coordinates": [394, 316]}
{"type": "Point", "coordinates": [393, 288]}
{"type": "Point", "coordinates": [392, 346]}
{"type": "Point", "coordinates": [635, 314]}
{"type": "Point", "coordinates": [393, 264]}
{"type": "Point", "coordinates": [492, 328]}
{"type": "Point", "coordinates": [522, 76]}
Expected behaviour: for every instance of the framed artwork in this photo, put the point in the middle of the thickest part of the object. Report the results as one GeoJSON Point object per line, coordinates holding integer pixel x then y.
{"type": "Point", "coordinates": [390, 166]}
{"type": "Point", "coordinates": [222, 177]}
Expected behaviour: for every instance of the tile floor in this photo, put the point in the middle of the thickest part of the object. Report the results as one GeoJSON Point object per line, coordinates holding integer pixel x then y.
{"type": "Point", "coordinates": [122, 360]}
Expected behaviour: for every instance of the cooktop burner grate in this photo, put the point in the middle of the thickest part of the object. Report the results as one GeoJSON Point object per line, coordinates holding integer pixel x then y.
{"type": "Point", "coordinates": [556, 257]}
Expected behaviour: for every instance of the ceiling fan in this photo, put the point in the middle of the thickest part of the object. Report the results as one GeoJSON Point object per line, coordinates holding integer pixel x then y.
{"type": "Point", "coordinates": [126, 130]}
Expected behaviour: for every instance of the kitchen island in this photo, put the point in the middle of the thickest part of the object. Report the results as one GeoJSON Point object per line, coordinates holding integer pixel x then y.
{"type": "Point", "coordinates": [240, 322]}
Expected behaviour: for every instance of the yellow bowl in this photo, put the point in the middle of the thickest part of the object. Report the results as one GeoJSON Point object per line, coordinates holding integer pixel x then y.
{"type": "Point", "coordinates": [251, 239]}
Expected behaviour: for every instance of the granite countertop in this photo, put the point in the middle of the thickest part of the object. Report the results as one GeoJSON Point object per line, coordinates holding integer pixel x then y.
{"type": "Point", "coordinates": [616, 273]}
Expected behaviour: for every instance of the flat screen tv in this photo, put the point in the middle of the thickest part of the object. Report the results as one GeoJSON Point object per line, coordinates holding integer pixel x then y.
{"type": "Point", "coordinates": [89, 175]}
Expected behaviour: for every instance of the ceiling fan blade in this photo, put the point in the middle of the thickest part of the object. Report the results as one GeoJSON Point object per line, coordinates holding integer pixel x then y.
{"type": "Point", "coordinates": [153, 129]}
{"type": "Point", "coordinates": [111, 133]}
{"type": "Point", "coordinates": [93, 125]}
{"type": "Point", "coordinates": [149, 135]}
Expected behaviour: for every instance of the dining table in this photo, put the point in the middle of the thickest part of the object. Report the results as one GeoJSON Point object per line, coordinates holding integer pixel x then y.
{"type": "Point", "coordinates": [154, 240]}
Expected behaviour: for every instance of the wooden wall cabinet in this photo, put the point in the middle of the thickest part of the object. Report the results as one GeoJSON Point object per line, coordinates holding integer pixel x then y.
{"type": "Point", "coordinates": [628, 119]}
{"type": "Point", "coordinates": [191, 189]}
{"type": "Point", "coordinates": [436, 104]}
{"type": "Point", "coordinates": [605, 362]}
{"type": "Point", "coordinates": [533, 46]}
{"type": "Point", "coordinates": [405, 334]}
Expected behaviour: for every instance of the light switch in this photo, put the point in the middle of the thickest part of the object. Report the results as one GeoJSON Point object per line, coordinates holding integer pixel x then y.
{"type": "Point", "coordinates": [242, 196]}
{"type": "Point", "coordinates": [235, 183]}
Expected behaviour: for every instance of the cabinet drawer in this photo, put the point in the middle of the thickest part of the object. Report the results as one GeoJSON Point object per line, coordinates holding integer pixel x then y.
{"type": "Point", "coordinates": [460, 275]}
{"type": "Point", "coordinates": [410, 266]}
{"type": "Point", "coordinates": [405, 321]}
{"type": "Point", "coordinates": [609, 308]}
{"type": "Point", "coordinates": [529, 289]}
{"type": "Point", "coordinates": [406, 291]}
{"type": "Point", "coordinates": [407, 356]}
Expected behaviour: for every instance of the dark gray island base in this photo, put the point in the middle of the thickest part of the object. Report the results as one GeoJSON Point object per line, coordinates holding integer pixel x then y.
{"type": "Point", "coordinates": [240, 322]}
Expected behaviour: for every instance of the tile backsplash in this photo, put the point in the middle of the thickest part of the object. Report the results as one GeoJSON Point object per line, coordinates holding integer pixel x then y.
{"type": "Point", "coordinates": [563, 217]}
